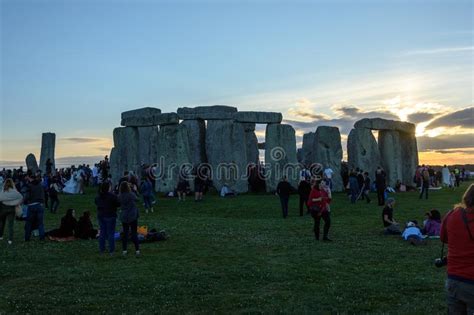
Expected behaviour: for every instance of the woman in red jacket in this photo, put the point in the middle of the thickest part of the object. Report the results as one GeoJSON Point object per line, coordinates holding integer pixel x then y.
{"type": "Point", "coordinates": [318, 202]}
{"type": "Point", "coordinates": [457, 230]}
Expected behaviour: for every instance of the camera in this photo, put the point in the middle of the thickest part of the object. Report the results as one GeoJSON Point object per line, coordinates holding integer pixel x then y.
{"type": "Point", "coordinates": [441, 262]}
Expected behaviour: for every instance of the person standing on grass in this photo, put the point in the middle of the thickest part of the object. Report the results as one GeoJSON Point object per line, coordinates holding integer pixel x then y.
{"type": "Point", "coordinates": [380, 184]}
{"type": "Point", "coordinates": [53, 195]}
{"type": "Point", "coordinates": [9, 199]}
{"type": "Point", "coordinates": [129, 217]}
{"type": "Point", "coordinates": [366, 187]}
{"type": "Point", "coordinates": [457, 230]}
{"type": "Point", "coordinates": [328, 173]}
{"type": "Point", "coordinates": [283, 191]}
{"type": "Point", "coordinates": [34, 200]}
{"type": "Point", "coordinates": [318, 204]}
{"type": "Point", "coordinates": [304, 188]}
{"type": "Point", "coordinates": [146, 189]}
{"type": "Point", "coordinates": [425, 185]}
{"type": "Point", "coordinates": [353, 186]}
{"type": "Point", "coordinates": [107, 204]}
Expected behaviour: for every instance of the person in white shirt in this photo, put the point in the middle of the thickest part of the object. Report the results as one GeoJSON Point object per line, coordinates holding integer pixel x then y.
{"type": "Point", "coordinates": [328, 177]}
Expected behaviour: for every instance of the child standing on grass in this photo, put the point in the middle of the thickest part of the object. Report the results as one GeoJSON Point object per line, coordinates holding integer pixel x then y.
{"type": "Point", "coordinates": [129, 217]}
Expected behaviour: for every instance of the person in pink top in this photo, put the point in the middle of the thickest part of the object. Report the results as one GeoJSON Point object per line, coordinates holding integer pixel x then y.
{"type": "Point", "coordinates": [432, 224]}
{"type": "Point", "coordinates": [318, 203]}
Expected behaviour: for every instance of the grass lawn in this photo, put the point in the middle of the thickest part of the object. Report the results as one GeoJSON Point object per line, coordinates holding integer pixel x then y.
{"type": "Point", "coordinates": [233, 255]}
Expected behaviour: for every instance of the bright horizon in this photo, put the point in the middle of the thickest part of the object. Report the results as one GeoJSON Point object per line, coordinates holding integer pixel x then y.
{"type": "Point", "coordinates": [72, 67]}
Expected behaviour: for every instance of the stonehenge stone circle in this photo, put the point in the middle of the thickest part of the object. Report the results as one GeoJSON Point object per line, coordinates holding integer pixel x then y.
{"type": "Point", "coordinates": [280, 155]}
{"type": "Point", "coordinates": [31, 163]}
{"type": "Point", "coordinates": [227, 154]}
{"type": "Point", "coordinates": [251, 142]}
{"type": "Point", "coordinates": [48, 143]}
{"type": "Point", "coordinates": [328, 152]}
{"type": "Point", "coordinates": [396, 144]}
{"type": "Point", "coordinates": [196, 131]}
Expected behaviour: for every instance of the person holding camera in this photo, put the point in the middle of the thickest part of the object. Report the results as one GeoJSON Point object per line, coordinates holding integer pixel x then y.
{"type": "Point", "coordinates": [457, 230]}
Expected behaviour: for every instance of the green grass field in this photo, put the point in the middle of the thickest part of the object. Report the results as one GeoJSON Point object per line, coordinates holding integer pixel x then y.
{"type": "Point", "coordinates": [233, 255]}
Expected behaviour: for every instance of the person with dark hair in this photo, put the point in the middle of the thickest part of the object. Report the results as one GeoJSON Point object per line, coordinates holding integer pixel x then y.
{"type": "Point", "coordinates": [199, 183]}
{"type": "Point", "coordinates": [380, 185]}
{"type": "Point", "coordinates": [304, 189]}
{"type": "Point", "coordinates": [53, 195]}
{"type": "Point", "coordinates": [432, 224]}
{"type": "Point", "coordinates": [146, 189]}
{"type": "Point", "coordinates": [107, 204]}
{"type": "Point", "coordinates": [457, 230]}
{"type": "Point", "coordinates": [283, 191]}
{"type": "Point", "coordinates": [425, 184]}
{"type": "Point", "coordinates": [318, 202]}
{"type": "Point", "coordinates": [360, 182]}
{"type": "Point", "coordinates": [390, 225]}
{"type": "Point", "coordinates": [129, 217]}
{"type": "Point", "coordinates": [366, 187]}
{"type": "Point", "coordinates": [67, 227]}
{"type": "Point", "coordinates": [85, 230]}
{"type": "Point", "coordinates": [34, 199]}
{"type": "Point", "coordinates": [353, 186]}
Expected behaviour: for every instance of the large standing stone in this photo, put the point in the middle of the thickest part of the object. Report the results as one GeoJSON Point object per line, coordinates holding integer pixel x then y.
{"type": "Point", "coordinates": [207, 112]}
{"type": "Point", "coordinates": [328, 152]}
{"type": "Point", "coordinates": [141, 117]}
{"type": "Point", "coordinates": [409, 157]}
{"type": "Point", "coordinates": [226, 153]}
{"type": "Point", "coordinates": [147, 139]}
{"type": "Point", "coordinates": [390, 155]}
{"type": "Point", "coordinates": [166, 119]}
{"type": "Point", "coordinates": [196, 130]}
{"type": "Point", "coordinates": [125, 154]}
{"type": "Point", "coordinates": [31, 163]}
{"type": "Point", "coordinates": [363, 151]}
{"type": "Point", "coordinates": [48, 143]}
{"type": "Point", "coordinates": [251, 143]}
{"type": "Point", "coordinates": [385, 124]}
{"type": "Point", "coordinates": [173, 154]}
{"type": "Point", "coordinates": [258, 117]}
{"type": "Point", "coordinates": [308, 153]}
{"type": "Point", "coordinates": [280, 155]}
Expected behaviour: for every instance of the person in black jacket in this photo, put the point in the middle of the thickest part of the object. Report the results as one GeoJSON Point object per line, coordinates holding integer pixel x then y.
{"type": "Point", "coordinates": [304, 188]}
{"type": "Point", "coordinates": [380, 185]}
{"type": "Point", "coordinates": [360, 181]}
{"type": "Point", "coordinates": [107, 204]}
{"type": "Point", "coordinates": [366, 187]}
{"type": "Point", "coordinates": [35, 200]}
{"type": "Point", "coordinates": [85, 230]}
{"type": "Point", "coordinates": [67, 227]}
{"type": "Point", "coordinates": [283, 191]}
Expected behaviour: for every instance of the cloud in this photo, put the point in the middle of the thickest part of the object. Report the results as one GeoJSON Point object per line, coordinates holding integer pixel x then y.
{"type": "Point", "coordinates": [444, 142]}
{"type": "Point", "coordinates": [462, 118]}
{"type": "Point", "coordinates": [442, 50]}
{"type": "Point", "coordinates": [81, 140]}
{"type": "Point", "coordinates": [356, 113]}
{"type": "Point", "coordinates": [420, 117]}
{"type": "Point", "coordinates": [455, 151]}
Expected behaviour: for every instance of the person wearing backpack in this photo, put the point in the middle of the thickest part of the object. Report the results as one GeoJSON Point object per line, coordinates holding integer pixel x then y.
{"type": "Point", "coordinates": [457, 230]}
{"type": "Point", "coordinates": [425, 185]}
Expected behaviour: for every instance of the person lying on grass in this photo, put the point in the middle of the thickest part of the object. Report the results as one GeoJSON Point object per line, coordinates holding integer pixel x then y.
{"type": "Point", "coordinates": [412, 233]}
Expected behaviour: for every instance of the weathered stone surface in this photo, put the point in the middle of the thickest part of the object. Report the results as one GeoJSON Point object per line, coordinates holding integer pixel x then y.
{"type": "Point", "coordinates": [197, 140]}
{"type": "Point", "coordinates": [31, 163]}
{"type": "Point", "coordinates": [258, 117]}
{"type": "Point", "coordinates": [390, 155]}
{"type": "Point", "coordinates": [166, 119]}
{"type": "Point", "coordinates": [207, 112]}
{"type": "Point", "coordinates": [385, 124]}
{"type": "Point", "coordinates": [48, 144]}
{"type": "Point", "coordinates": [308, 152]}
{"type": "Point", "coordinates": [141, 117]}
{"type": "Point", "coordinates": [409, 155]}
{"type": "Point", "coordinates": [147, 139]}
{"type": "Point", "coordinates": [173, 154]}
{"type": "Point", "coordinates": [248, 126]}
{"type": "Point", "coordinates": [251, 143]}
{"type": "Point", "coordinates": [299, 155]}
{"type": "Point", "coordinates": [125, 154]}
{"type": "Point", "coordinates": [280, 155]}
{"type": "Point", "coordinates": [363, 151]}
{"type": "Point", "coordinates": [226, 153]}
{"type": "Point", "coordinates": [328, 152]}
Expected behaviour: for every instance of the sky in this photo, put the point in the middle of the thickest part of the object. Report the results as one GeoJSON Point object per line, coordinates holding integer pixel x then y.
{"type": "Point", "coordinates": [71, 67]}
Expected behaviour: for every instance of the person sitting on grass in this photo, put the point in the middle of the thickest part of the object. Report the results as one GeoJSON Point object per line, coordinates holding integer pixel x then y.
{"type": "Point", "coordinates": [67, 227]}
{"type": "Point", "coordinates": [85, 230]}
{"type": "Point", "coordinates": [412, 233]}
{"type": "Point", "coordinates": [432, 224]}
{"type": "Point", "coordinates": [390, 225]}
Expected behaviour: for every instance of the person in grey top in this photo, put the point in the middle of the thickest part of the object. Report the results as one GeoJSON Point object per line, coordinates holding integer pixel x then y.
{"type": "Point", "coordinates": [129, 217]}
